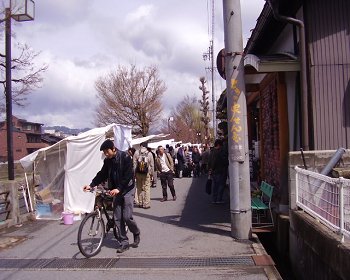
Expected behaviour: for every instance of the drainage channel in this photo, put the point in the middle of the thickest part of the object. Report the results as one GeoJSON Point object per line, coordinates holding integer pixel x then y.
{"type": "Point", "coordinates": [115, 263]}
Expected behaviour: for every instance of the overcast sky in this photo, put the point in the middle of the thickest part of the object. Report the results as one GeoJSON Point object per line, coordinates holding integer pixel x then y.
{"type": "Point", "coordinates": [81, 40]}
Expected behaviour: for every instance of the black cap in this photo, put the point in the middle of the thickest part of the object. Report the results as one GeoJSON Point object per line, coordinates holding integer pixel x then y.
{"type": "Point", "coordinates": [144, 144]}
{"type": "Point", "coordinates": [218, 142]}
{"type": "Point", "coordinates": [108, 144]}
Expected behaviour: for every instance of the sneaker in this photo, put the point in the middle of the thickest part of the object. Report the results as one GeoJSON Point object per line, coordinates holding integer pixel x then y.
{"type": "Point", "coordinates": [147, 207]}
{"type": "Point", "coordinates": [122, 249]}
{"type": "Point", "coordinates": [174, 197]}
{"type": "Point", "coordinates": [163, 199]}
{"type": "Point", "coordinates": [136, 240]}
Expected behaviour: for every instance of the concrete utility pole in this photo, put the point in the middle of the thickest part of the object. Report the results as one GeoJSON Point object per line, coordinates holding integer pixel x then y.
{"type": "Point", "coordinates": [213, 89]}
{"type": "Point", "coordinates": [240, 208]}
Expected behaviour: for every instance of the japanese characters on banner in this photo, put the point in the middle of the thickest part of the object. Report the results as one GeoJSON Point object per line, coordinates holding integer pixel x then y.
{"type": "Point", "coordinates": [235, 123]}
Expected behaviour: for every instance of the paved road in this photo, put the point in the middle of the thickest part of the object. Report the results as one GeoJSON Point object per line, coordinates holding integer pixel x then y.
{"type": "Point", "coordinates": [184, 239]}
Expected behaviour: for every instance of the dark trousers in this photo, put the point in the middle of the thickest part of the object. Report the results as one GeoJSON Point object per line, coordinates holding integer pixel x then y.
{"type": "Point", "coordinates": [123, 208]}
{"type": "Point", "coordinates": [204, 168]}
{"type": "Point", "coordinates": [219, 183]}
{"type": "Point", "coordinates": [167, 180]}
{"type": "Point", "coordinates": [196, 169]}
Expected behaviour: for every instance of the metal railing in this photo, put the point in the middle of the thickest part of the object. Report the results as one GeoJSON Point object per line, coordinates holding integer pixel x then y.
{"type": "Point", "coordinates": [325, 198]}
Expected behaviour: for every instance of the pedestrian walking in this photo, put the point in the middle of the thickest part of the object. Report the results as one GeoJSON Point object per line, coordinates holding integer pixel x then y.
{"type": "Point", "coordinates": [196, 159]}
{"type": "Point", "coordinates": [180, 155]}
{"type": "Point", "coordinates": [188, 167]}
{"type": "Point", "coordinates": [131, 152]}
{"type": "Point", "coordinates": [154, 173]}
{"type": "Point", "coordinates": [205, 159]}
{"type": "Point", "coordinates": [117, 170]}
{"type": "Point", "coordinates": [144, 167]}
{"type": "Point", "coordinates": [218, 164]}
{"type": "Point", "coordinates": [165, 168]}
{"type": "Point", "coordinates": [172, 152]}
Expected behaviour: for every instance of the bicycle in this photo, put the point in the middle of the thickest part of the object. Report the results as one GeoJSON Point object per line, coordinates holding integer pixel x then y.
{"type": "Point", "coordinates": [93, 229]}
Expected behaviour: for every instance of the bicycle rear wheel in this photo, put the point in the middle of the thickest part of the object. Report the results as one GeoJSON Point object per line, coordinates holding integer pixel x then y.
{"type": "Point", "coordinates": [91, 234]}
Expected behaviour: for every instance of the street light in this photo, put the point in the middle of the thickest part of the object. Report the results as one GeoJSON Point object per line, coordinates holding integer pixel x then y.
{"type": "Point", "coordinates": [19, 10]}
{"type": "Point", "coordinates": [170, 119]}
{"type": "Point", "coordinates": [199, 140]}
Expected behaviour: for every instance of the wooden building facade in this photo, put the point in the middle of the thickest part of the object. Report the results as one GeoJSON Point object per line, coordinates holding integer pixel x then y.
{"type": "Point", "coordinates": [273, 84]}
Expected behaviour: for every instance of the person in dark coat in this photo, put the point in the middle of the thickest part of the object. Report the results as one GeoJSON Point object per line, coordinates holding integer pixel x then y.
{"type": "Point", "coordinates": [218, 165]}
{"type": "Point", "coordinates": [196, 159]}
{"type": "Point", "coordinates": [181, 160]}
{"type": "Point", "coordinates": [117, 170]}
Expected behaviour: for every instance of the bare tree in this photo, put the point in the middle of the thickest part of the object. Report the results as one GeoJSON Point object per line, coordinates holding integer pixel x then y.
{"type": "Point", "coordinates": [204, 108]}
{"type": "Point", "coordinates": [186, 125]}
{"type": "Point", "coordinates": [26, 74]}
{"type": "Point", "coordinates": [26, 77]}
{"type": "Point", "coordinates": [130, 96]}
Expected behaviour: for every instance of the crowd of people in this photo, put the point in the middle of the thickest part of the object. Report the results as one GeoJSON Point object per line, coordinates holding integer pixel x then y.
{"type": "Point", "coordinates": [180, 161]}
{"type": "Point", "coordinates": [141, 167]}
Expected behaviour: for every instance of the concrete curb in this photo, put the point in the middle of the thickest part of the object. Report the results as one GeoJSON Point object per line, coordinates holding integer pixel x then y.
{"type": "Point", "coordinates": [270, 270]}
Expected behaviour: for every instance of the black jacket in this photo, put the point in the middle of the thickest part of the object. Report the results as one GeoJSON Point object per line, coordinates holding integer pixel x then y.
{"type": "Point", "coordinates": [119, 173]}
{"type": "Point", "coordinates": [218, 161]}
{"type": "Point", "coordinates": [196, 157]}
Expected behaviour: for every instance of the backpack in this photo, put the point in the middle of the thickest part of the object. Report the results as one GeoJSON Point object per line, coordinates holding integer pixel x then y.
{"type": "Point", "coordinates": [142, 163]}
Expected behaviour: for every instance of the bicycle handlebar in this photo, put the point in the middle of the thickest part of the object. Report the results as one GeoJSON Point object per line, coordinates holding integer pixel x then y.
{"type": "Point", "coordinates": [99, 191]}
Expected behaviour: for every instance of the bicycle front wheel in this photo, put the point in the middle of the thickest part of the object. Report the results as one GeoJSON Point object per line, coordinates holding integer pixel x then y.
{"type": "Point", "coordinates": [91, 234]}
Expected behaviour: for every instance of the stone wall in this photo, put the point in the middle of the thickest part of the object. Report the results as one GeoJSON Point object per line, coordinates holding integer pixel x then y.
{"type": "Point", "coordinates": [18, 171]}
{"type": "Point", "coordinates": [18, 213]}
{"type": "Point", "coordinates": [315, 251]}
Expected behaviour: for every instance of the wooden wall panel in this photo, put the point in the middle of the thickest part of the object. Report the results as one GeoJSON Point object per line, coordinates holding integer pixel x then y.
{"type": "Point", "coordinates": [331, 106]}
{"type": "Point", "coordinates": [328, 36]}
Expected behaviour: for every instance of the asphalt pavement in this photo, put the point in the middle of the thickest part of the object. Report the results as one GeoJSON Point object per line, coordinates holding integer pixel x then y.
{"type": "Point", "coordinates": [189, 238]}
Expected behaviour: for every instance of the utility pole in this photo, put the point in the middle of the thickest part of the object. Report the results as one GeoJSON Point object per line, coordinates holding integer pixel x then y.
{"type": "Point", "coordinates": [9, 125]}
{"type": "Point", "coordinates": [238, 150]}
{"type": "Point", "coordinates": [212, 87]}
{"type": "Point", "coordinates": [21, 13]}
{"type": "Point", "coordinates": [210, 55]}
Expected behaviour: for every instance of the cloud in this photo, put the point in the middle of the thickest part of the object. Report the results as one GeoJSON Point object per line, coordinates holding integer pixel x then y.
{"type": "Point", "coordinates": [66, 91]}
{"type": "Point", "coordinates": [82, 40]}
{"type": "Point", "coordinates": [250, 13]}
{"type": "Point", "coordinates": [142, 13]}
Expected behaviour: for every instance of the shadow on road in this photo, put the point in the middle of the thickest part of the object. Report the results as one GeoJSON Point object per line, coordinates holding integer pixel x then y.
{"type": "Point", "coordinates": [198, 212]}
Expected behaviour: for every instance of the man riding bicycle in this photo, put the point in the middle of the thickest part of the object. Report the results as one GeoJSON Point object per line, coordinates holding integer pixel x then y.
{"type": "Point", "coordinates": [117, 170]}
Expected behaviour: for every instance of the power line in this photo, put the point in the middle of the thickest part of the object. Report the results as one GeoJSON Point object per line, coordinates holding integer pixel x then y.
{"type": "Point", "coordinates": [208, 17]}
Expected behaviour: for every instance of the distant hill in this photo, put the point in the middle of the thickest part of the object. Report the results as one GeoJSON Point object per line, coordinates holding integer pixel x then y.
{"type": "Point", "coordinates": [66, 130]}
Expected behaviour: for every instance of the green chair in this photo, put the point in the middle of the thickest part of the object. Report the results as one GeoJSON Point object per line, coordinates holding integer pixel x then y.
{"type": "Point", "coordinates": [261, 203]}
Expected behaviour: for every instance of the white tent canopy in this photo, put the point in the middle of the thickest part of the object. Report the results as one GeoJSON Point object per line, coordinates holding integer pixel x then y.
{"type": "Point", "coordinates": [163, 143]}
{"type": "Point", "coordinates": [70, 164]}
{"type": "Point", "coordinates": [137, 141]}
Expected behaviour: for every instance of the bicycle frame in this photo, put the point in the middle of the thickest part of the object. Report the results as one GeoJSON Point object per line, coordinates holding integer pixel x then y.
{"type": "Point", "coordinates": [91, 238]}
{"type": "Point", "coordinates": [110, 220]}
